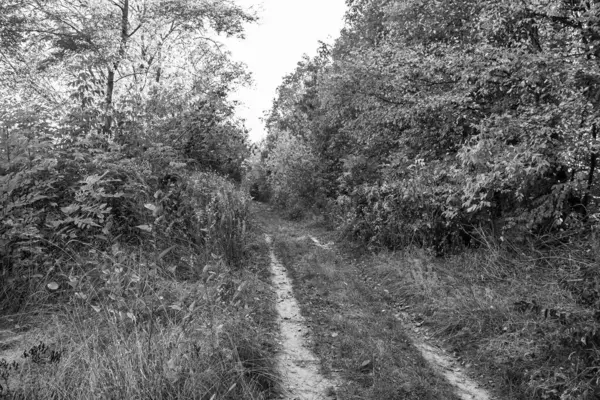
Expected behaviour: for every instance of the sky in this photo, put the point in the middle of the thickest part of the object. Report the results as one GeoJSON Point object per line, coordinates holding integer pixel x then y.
{"type": "Point", "coordinates": [287, 29]}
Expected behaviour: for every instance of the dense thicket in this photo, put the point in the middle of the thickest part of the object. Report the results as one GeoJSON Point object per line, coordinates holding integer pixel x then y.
{"type": "Point", "coordinates": [428, 120]}
{"type": "Point", "coordinates": [109, 112]}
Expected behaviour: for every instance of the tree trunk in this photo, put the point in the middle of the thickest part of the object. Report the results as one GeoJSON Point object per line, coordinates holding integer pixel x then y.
{"type": "Point", "coordinates": [110, 81]}
{"type": "Point", "coordinates": [593, 162]}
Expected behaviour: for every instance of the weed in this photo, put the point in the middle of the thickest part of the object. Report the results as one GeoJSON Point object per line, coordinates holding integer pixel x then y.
{"type": "Point", "coordinates": [126, 324]}
{"type": "Point", "coordinates": [6, 369]}
{"type": "Point", "coordinates": [42, 354]}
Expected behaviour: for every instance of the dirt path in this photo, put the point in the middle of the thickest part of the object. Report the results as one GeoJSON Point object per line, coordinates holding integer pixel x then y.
{"type": "Point", "coordinates": [447, 366]}
{"type": "Point", "coordinates": [299, 368]}
{"type": "Point", "coordinates": [444, 364]}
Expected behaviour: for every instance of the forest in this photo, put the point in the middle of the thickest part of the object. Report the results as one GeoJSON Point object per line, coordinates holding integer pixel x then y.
{"type": "Point", "coordinates": [461, 131]}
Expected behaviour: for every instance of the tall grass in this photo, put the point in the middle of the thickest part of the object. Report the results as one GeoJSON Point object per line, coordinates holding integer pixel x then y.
{"type": "Point", "coordinates": [136, 333]}
{"type": "Point", "coordinates": [149, 322]}
{"type": "Point", "coordinates": [228, 216]}
{"type": "Point", "coordinates": [526, 316]}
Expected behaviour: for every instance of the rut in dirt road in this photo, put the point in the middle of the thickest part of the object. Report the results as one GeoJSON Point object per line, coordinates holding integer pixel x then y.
{"type": "Point", "coordinates": [444, 364]}
{"type": "Point", "coordinates": [299, 368]}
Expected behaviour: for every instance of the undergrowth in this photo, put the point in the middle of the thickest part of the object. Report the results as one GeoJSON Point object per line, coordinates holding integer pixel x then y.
{"type": "Point", "coordinates": [164, 297]}
{"type": "Point", "coordinates": [136, 330]}
{"type": "Point", "coordinates": [524, 320]}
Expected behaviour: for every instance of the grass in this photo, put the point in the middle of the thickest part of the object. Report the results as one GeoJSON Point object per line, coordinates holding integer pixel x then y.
{"type": "Point", "coordinates": [129, 327]}
{"type": "Point", "coordinates": [519, 318]}
{"type": "Point", "coordinates": [524, 322]}
{"type": "Point", "coordinates": [355, 333]}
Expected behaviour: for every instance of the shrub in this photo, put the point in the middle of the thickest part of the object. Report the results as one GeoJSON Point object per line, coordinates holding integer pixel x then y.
{"type": "Point", "coordinates": [86, 193]}
{"type": "Point", "coordinates": [293, 177]}
{"type": "Point", "coordinates": [223, 212]}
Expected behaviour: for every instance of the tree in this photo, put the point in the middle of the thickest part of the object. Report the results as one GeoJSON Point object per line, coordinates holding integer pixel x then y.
{"type": "Point", "coordinates": [103, 112]}
{"type": "Point", "coordinates": [137, 44]}
{"type": "Point", "coordinates": [453, 114]}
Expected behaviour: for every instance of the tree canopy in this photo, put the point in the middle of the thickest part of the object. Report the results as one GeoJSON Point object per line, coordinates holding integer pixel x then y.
{"type": "Point", "coordinates": [429, 119]}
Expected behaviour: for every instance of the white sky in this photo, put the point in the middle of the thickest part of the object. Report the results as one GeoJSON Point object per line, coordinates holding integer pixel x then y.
{"type": "Point", "coordinates": [287, 30]}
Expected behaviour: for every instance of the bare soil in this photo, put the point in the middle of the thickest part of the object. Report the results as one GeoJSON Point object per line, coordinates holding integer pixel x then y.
{"type": "Point", "coordinates": [299, 368]}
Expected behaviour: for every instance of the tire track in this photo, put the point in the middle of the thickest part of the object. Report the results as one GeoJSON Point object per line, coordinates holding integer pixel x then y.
{"type": "Point", "coordinates": [298, 367]}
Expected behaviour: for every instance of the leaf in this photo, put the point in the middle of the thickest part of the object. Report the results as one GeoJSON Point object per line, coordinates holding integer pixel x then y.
{"type": "Point", "coordinates": [145, 228]}
{"type": "Point", "coordinates": [231, 388]}
{"type": "Point", "coordinates": [366, 366]}
{"type": "Point", "coordinates": [70, 209]}
{"type": "Point", "coordinates": [165, 252]}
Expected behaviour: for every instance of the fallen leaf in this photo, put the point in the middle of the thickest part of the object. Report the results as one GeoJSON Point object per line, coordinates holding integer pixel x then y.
{"type": "Point", "coordinates": [367, 365]}
{"type": "Point", "coordinates": [145, 228]}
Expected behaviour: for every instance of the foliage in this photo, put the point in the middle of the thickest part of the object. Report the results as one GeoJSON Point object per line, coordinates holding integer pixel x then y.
{"type": "Point", "coordinates": [292, 173]}
{"type": "Point", "coordinates": [102, 126]}
{"type": "Point", "coordinates": [255, 175]}
{"type": "Point", "coordinates": [461, 123]}
{"type": "Point", "coordinates": [118, 216]}
{"type": "Point", "coordinates": [427, 119]}
{"type": "Point", "coordinates": [212, 139]}
{"type": "Point", "coordinates": [128, 322]}
{"type": "Point", "coordinates": [223, 212]}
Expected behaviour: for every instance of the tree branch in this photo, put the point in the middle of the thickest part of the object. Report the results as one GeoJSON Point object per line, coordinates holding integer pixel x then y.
{"type": "Point", "coordinates": [135, 30]}
{"type": "Point", "coordinates": [117, 4]}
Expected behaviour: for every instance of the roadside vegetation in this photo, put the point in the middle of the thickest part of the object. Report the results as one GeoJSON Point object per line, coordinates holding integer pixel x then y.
{"type": "Point", "coordinates": [130, 267]}
{"type": "Point", "coordinates": [515, 322]}
{"type": "Point", "coordinates": [450, 148]}
{"type": "Point", "coordinates": [131, 321]}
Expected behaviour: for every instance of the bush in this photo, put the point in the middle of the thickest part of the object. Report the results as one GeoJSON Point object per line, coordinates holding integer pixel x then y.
{"type": "Point", "coordinates": [223, 213]}
{"type": "Point", "coordinates": [86, 193]}
{"type": "Point", "coordinates": [422, 209]}
{"type": "Point", "coordinates": [293, 174]}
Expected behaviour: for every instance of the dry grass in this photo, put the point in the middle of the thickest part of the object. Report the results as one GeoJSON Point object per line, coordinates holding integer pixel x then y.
{"type": "Point", "coordinates": [526, 320]}
{"type": "Point", "coordinates": [133, 330]}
